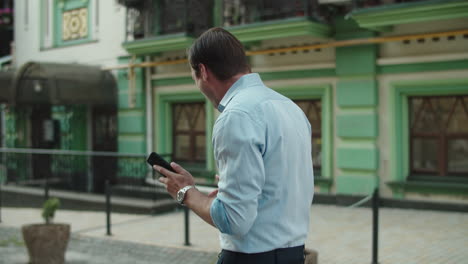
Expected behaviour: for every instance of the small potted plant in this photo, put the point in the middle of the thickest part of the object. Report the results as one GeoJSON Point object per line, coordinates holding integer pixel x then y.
{"type": "Point", "coordinates": [46, 243]}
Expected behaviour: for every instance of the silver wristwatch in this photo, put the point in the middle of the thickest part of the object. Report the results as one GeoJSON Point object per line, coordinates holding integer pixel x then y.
{"type": "Point", "coordinates": [181, 194]}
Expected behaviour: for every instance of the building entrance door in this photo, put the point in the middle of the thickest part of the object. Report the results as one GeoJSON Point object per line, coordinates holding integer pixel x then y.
{"type": "Point", "coordinates": [42, 137]}
{"type": "Point", "coordinates": [104, 139]}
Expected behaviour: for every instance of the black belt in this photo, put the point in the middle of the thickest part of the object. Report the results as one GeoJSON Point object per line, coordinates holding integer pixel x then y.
{"type": "Point", "coordinates": [292, 255]}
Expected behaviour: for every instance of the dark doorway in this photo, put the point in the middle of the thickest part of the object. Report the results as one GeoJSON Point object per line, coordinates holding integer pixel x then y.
{"type": "Point", "coordinates": [41, 139]}
{"type": "Point", "coordinates": [104, 139]}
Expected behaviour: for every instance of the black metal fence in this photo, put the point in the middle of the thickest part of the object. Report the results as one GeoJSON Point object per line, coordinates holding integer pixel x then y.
{"type": "Point", "coordinates": [78, 171]}
{"type": "Point", "coordinates": [106, 173]}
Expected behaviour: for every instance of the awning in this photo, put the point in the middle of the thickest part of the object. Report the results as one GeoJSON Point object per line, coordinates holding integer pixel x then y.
{"type": "Point", "coordinates": [61, 84]}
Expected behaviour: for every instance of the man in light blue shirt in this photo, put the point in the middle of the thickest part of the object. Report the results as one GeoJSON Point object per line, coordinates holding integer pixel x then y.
{"type": "Point", "coordinates": [262, 146]}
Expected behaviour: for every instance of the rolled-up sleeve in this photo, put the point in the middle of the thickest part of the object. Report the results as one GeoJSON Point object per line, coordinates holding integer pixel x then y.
{"type": "Point", "coordinates": [219, 217]}
{"type": "Point", "coordinates": [238, 145]}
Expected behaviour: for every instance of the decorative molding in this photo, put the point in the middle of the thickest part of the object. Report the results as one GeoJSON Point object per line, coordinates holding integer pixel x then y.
{"type": "Point", "coordinates": [315, 66]}
{"type": "Point", "coordinates": [280, 29]}
{"type": "Point", "coordinates": [171, 75]}
{"type": "Point", "coordinates": [158, 44]}
{"type": "Point", "coordinates": [423, 67]}
{"type": "Point", "coordinates": [422, 59]}
{"type": "Point", "coordinates": [389, 15]}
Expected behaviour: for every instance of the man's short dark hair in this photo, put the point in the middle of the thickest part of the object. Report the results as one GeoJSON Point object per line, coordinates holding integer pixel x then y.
{"type": "Point", "coordinates": [220, 52]}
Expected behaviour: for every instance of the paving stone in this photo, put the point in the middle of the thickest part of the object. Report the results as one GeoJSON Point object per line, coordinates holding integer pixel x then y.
{"type": "Point", "coordinates": [338, 234]}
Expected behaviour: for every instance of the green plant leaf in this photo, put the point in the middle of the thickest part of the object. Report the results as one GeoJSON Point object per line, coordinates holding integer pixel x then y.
{"type": "Point", "coordinates": [48, 209]}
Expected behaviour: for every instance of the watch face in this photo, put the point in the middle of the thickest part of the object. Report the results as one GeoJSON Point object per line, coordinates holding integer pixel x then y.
{"type": "Point", "coordinates": [180, 196]}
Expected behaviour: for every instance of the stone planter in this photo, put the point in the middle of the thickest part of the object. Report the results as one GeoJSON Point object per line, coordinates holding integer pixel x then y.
{"type": "Point", "coordinates": [46, 243]}
{"type": "Point", "coordinates": [311, 256]}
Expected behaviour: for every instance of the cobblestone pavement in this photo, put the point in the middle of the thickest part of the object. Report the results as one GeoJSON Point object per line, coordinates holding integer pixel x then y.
{"type": "Point", "coordinates": [344, 235]}
{"type": "Point", "coordinates": [87, 250]}
{"type": "Point", "coordinates": [339, 234]}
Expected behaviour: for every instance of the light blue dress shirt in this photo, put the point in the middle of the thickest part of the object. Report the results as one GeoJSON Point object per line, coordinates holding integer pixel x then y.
{"type": "Point", "coordinates": [262, 146]}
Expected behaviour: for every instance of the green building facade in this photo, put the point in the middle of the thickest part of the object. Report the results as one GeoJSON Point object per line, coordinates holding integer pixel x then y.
{"type": "Point", "coordinates": [363, 99]}
{"type": "Point", "coordinates": [383, 83]}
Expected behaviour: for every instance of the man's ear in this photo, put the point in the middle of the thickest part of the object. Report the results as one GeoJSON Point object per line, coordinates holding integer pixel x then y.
{"type": "Point", "coordinates": [203, 72]}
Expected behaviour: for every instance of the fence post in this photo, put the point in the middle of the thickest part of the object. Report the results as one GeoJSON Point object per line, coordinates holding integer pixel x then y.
{"type": "Point", "coordinates": [46, 187]}
{"type": "Point", "coordinates": [108, 207]}
{"type": "Point", "coordinates": [187, 226]}
{"type": "Point", "coordinates": [375, 226]}
{"type": "Point", "coordinates": [0, 202]}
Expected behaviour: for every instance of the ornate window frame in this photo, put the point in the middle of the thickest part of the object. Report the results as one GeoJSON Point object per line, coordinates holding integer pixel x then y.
{"type": "Point", "coordinates": [400, 178]}
{"type": "Point", "coordinates": [51, 22]}
{"type": "Point", "coordinates": [164, 126]}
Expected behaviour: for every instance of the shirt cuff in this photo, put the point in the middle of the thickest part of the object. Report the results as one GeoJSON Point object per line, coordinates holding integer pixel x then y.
{"type": "Point", "coordinates": [219, 217]}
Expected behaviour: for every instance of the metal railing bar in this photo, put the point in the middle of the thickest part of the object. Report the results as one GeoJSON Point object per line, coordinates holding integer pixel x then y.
{"type": "Point", "coordinates": [72, 152]}
{"type": "Point", "coordinates": [362, 201]}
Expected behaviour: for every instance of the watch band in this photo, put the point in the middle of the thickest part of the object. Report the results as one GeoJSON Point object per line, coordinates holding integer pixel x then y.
{"type": "Point", "coordinates": [181, 193]}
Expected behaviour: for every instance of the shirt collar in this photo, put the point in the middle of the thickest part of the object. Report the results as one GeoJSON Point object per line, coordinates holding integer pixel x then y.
{"type": "Point", "coordinates": [244, 81]}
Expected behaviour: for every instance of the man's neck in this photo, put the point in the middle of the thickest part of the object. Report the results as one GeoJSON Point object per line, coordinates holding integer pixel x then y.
{"type": "Point", "coordinates": [224, 86]}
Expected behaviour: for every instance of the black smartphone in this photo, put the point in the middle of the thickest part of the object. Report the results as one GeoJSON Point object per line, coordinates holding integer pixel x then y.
{"type": "Point", "coordinates": [155, 159]}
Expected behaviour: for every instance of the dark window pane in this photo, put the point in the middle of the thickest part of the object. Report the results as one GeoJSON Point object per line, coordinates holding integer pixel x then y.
{"type": "Point", "coordinates": [458, 122]}
{"type": "Point", "coordinates": [458, 155]}
{"type": "Point", "coordinates": [200, 118]}
{"type": "Point", "coordinates": [189, 132]}
{"type": "Point", "coordinates": [425, 154]}
{"type": "Point", "coordinates": [425, 119]}
{"type": "Point", "coordinates": [200, 147]}
{"type": "Point", "coordinates": [313, 110]}
{"type": "Point", "coordinates": [317, 152]}
{"type": "Point", "coordinates": [182, 147]}
{"type": "Point", "coordinates": [415, 105]}
{"type": "Point", "coordinates": [181, 118]}
{"type": "Point", "coordinates": [443, 107]}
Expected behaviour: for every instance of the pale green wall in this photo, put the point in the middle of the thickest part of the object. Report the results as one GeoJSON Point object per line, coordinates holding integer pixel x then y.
{"type": "Point", "coordinates": [356, 89]}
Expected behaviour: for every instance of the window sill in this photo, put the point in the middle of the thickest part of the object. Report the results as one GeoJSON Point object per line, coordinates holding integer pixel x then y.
{"type": "Point", "coordinates": [70, 45]}
{"type": "Point", "coordinates": [158, 44]}
{"type": "Point", "coordinates": [429, 187]}
{"type": "Point", "coordinates": [322, 181]}
{"type": "Point", "coordinates": [376, 18]}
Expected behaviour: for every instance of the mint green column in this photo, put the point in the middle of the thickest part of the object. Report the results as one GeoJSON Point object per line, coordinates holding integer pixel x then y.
{"type": "Point", "coordinates": [356, 119]}
{"type": "Point", "coordinates": [131, 112]}
{"type": "Point", "coordinates": [131, 121]}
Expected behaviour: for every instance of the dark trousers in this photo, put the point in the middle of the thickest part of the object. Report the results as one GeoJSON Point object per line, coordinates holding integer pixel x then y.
{"type": "Point", "coordinates": [294, 255]}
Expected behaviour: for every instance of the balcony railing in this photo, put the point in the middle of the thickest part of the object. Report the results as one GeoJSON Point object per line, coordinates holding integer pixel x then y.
{"type": "Point", "coordinates": [147, 20]}
{"type": "Point", "coordinates": [238, 12]}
